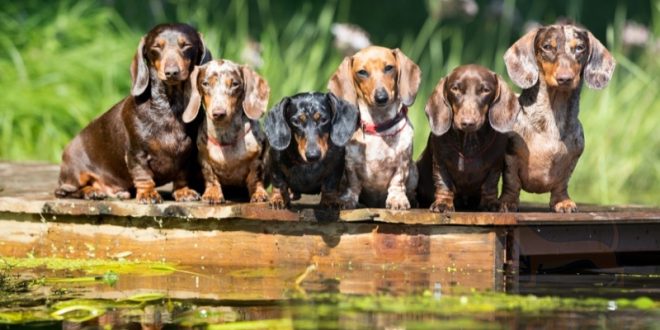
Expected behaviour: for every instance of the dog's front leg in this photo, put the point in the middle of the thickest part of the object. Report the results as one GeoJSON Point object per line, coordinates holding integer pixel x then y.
{"type": "Point", "coordinates": [181, 192]}
{"type": "Point", "coordinates": [212, 188]}
{"type": "Point", "coordinates": [255, 181]}
{"type": "Point", "coordinates": [349, 199]}
{"type": "Point", "coordinates": [330, 190]}
{"type": "Point", "coordinates": [511, 184]}
{"type": "Point", "coordinates": [444, 196]}
{"type": "Point", "coordinates": [396, 191]}
{"type": "Point", "coordinates": [142, 178]}
{"type": "Point", "coordinates": [488, 200]}
{"type": "Point", "coordinates": [280, 197]}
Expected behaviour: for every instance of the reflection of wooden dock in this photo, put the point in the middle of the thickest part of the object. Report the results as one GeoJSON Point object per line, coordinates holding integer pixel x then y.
{"type": "Point", "coordinates": [357, 251]}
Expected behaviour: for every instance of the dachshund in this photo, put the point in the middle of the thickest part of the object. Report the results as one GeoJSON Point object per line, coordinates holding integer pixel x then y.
{"type": "Point", "coordinates": [230, 141]}
{"type": "Point", "coordinates": [312, 161]}
{"type": "Point", "coordinates": [469, 112]}
{"type": "Point", "coordinates": [142, 141]}
{"type": "Point", "coordinates": [382, 83]}
{"type": "Point", "coordinates": [550, 63]}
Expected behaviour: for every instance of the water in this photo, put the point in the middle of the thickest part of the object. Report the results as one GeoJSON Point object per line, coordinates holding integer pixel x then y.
{"type": "Point", "coordinates": [153, 296]}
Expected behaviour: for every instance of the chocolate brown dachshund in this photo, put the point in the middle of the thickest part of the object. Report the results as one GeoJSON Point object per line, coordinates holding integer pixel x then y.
{"type": "Point", "coordinates": [469, 111]}
{"type": "Point", "coordinates": [142, 141]}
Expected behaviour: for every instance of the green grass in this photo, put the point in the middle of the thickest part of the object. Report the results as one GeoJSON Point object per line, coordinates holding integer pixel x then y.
{"type": "Point", "coordinates": [65, 63]}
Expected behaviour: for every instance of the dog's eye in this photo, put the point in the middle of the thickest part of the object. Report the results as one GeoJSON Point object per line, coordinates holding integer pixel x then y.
{"type": "Point", "coordinates": [205, 83]}
{"type": "Point", "coordinates": [234, 83]}
{"type": "Point", "coordinates": [388, 68]}
{"type": "Point", "coordinates": [295, 121]}
{"type": "Point", "coordinates": [324, 120]}
{"type": "Point", "coordinates": [548, 47]}
{"type": "Point", "coordinates": [186, 46]}
{"type": "Point", "coordinates": [580, 48]}
{"type": "Point", "coordinates": [455, 89]}
{"type": "Point", "coordinates": [363, 73]}
{"type": "Point", "coordinates": [484, 90]}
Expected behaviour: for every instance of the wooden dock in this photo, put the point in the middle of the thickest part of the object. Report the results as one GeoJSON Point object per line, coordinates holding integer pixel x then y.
{"type": "Point", "coordinates": [251, 250]}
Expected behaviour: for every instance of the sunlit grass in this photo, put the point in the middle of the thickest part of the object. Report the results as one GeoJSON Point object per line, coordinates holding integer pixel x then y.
{"type": "Point", "coordinates": [64, 64]}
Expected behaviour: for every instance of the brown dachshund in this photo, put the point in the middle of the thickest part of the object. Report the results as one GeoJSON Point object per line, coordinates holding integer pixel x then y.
{"type": "Point", "coordinates": [230, 141]}
{"type": "Point", "coordinates": [142, 141]}
{"type": "Point", "coordinates": [469, 111]}
{"type": "Point", "coordinates": [382, 83]}
{"type": "Point", "coordinates": [550, 63]}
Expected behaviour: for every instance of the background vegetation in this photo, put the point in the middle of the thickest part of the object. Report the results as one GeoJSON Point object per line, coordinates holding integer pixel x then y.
{"type": "Point", "coordinates": [64, 63]}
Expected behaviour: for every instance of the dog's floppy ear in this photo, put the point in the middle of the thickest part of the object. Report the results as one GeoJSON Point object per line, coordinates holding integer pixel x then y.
{"type": "Point", "coordinates": [276, 127]}
{"type": "Point", "coordinates": [600, 66]}
{"type": "Point", "coordinates": [256, 93]}
{"type": "Point", "coordinates": [504, 109]}
{"type": "Point", "coordinates": [139, 71]}
{"type": "Point", "coordinates": [206, 55]}
{"type": "Point", "coordinates": [344, 120]}
{"type": "Point", "coordinates": [438, 110]}
{"type": "Point", "coordinates": [195, 99]}
{"type": "Point", "coordinates": [409, 77]}
{"type": "Point", "coordinates": [341, 83]}
{"type": "Point", "coordinates": [521, 62]}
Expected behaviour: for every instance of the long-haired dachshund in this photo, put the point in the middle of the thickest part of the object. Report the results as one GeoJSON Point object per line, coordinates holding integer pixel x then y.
{"type": "Point", "coordinates": [550, 63]}
{"type": "Point", "coordinates": [307, 134]}
{"type": "Point", "coordinates": [382, 83]}
{"type": "Point", "coordinates": [469, 111]}
{"type": "Point", "coordinates": [142, 141]}
{"type": "Point", "coordinates": [230, 141]}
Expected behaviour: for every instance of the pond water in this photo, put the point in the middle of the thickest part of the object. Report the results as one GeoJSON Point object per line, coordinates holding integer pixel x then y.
{"type": "Point", "coordinates": [63, 294]}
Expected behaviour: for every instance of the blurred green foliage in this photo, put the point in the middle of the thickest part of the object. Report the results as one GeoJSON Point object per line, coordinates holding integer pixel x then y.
{"type": "Point", "coordinates": [63, 63]}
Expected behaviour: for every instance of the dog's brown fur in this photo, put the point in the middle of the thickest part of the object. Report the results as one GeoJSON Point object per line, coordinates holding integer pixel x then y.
{"type": "Point", "coordinates": [230, 141]}
{"type": "Point", "coordinates": [550, 64]}
{"type": "Point", "coordinates": [469, 111]}
{"type": "Point", "coordinates": [379, 167]}
{"type": "Point", "coordinates": [141, 142]}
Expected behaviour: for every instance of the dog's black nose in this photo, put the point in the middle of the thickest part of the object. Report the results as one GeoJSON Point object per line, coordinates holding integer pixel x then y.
{"type": "Point", "coordinates": [218, 115]}
{"type": "Point", "coordinates": [381, 96]}
{"type": "Point", "coordinates": [312, 155]}
{"type": "Point", "coordinates": [172, 72]}
{"type": "Point", "coordinates": [468, 125]}
{"type": "Point", "coordinates": [565, 79]}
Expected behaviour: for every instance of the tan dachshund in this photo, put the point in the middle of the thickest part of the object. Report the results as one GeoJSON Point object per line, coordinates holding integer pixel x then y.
{"type": "Point", "coordinates": [382, 83]}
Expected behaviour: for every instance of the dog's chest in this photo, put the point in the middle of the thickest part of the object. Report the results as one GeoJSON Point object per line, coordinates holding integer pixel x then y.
{"type": "Point", "coordinates": [232, 163]}
{"type": "Point", "coordinates": [377, 157]}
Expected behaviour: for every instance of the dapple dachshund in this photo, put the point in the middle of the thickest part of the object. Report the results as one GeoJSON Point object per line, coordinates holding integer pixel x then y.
{"type": "Point", "coordinates": [142, 141]}
{"type": "Point", "coordinates": [550, 63]}
{"type": "Point", "coordinates": [382, 83]}
{"type": "Point", "coordinates": [307, 134]}
{"type": "Point", "coordinates": [231, 143]}
{"type": "Point", "coordinates": [469, 111]}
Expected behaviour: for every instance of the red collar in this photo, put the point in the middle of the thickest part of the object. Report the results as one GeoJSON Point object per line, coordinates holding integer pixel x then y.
{"type": "Point", "coordinates": [215, 141]}
{"type": "Point", "coordinates": [376, 129]}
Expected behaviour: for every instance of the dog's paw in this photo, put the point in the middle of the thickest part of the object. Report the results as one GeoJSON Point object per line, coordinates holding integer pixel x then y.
{"type": "Point", "coordinates": [213, 195]}
{"type": "Point", "coordinates": [185, 195]}
{"type": "Point", "coordinates": [123, 195]}
{"type": "Point", "coordinates": [397, 202]}
{"type": "Point", "coordinates": [331, 201]}
{"type": "Point", "coordinates": [565, 206]}
{"type": "Point", "coordinates": [259, 196]}
{"type": "Point", "coordinates": [277, 202]}
{"type": "Point", "coordinates": [489, 205]}
{"type": "Point", "coordinates": [148, 196]}
{"type": "Point", "coordinates": [348, 201]}
{"type": "Point", "coordinates": [508, 205]}
{"type": "Point", "coordinates": [441, 206]}
{"type": "Point", "coordinates": [92, 193]}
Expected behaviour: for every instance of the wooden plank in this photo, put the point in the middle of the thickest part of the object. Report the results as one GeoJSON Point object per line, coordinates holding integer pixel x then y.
{"type": "Point", "coordinates": [355, 253]}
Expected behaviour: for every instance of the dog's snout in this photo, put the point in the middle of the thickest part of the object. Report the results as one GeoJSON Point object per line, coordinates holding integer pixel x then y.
{"type": "Point", "coordinates": [468, 124]}
{"type": "Point", "coordinates": [381, 96]}
{"type": "Point", "coordinates": [220, 114]}
{"type": "Point", "coordinates": [312, 154]}
{"type": "Point", "coordinates": [172, 71]}
{"type": "Point", "coordinates": [564, 78]}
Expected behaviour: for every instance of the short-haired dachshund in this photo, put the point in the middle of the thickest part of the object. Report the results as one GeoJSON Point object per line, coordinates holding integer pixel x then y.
{"type": "Point", "coordinates": [307, 134]}
{"type": "Point", "coordinates": [469, 112]}
{"type": "Point", "coordinates": [142, 141]}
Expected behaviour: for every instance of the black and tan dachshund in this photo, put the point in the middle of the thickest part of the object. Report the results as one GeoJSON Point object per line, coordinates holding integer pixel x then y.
{"type": "Point", "coordinates": [307, 134]}
{"type": "Point", "coordinates": [142, 141]}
